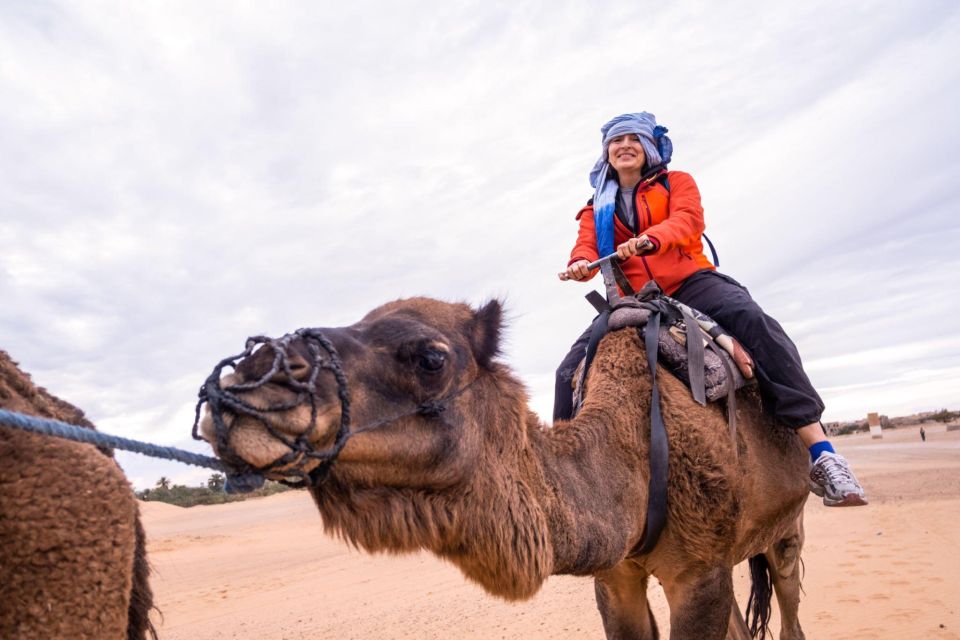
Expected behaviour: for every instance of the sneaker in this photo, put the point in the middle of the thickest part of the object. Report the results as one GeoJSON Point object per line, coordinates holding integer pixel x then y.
{"type": "Point", "coordinates": [832, 480]}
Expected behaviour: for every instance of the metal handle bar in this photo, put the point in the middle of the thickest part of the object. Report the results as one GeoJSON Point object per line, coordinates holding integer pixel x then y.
{"type": "Point", "coordinates": [596, 263]}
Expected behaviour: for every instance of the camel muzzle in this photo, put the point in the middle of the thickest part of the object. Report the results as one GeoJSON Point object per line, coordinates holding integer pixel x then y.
{"type": "Point", "coordinates": [297, 359]}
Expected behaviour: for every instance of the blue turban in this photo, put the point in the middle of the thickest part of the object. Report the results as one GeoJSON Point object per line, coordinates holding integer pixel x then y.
{"type": "Point", "coordinates": [656, 147]}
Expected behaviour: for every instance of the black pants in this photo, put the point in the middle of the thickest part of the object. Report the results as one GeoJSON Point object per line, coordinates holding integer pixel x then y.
{"type": "Point", "coordinates": [786, 390]}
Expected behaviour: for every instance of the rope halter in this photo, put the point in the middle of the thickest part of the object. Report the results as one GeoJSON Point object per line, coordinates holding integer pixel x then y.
{"type": "Point", "coordinates": [323, 356]}
{"type": "Point", "coordinates": [242, 477]}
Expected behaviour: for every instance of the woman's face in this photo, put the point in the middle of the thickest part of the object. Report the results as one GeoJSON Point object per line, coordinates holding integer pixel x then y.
{"type": "Point", "coordinates": [625, 153]}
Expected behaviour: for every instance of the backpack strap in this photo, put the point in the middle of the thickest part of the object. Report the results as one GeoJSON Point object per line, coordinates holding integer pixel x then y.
{"type": "Point", "coordinates": [716, 260]}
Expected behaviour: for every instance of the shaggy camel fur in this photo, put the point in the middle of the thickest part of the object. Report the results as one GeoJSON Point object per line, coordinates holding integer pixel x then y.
{"type": "Point", "coordinates": [73, 561]}
{"type": "Point", "coordinates": [487, 486]}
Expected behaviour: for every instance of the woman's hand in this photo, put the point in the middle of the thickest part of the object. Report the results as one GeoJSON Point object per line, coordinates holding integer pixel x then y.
{"type": "Point", "coordinates": [579, 270]}
{"type": "Point", "coordinates": [639, 246]}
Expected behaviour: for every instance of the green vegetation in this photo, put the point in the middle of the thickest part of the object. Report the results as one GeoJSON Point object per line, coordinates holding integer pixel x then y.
{"type": "Point", "coordinates": [850, 427]}
{"type": "Point", "coordinates": [210, 493]}
{"type": "Point", "coordinates": [945, 416]}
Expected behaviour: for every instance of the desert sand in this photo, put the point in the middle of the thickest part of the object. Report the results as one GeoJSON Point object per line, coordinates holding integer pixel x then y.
{"type": "Point", "coordinates": [264, 568]}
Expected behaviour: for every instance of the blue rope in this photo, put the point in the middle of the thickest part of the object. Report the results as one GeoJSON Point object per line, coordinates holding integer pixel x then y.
{"type": "Point", "coordinates": [89, 436]}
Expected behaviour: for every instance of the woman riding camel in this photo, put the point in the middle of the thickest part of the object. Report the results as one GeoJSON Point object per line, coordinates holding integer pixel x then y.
{"type": "Point", "coordinates": [653, 219]}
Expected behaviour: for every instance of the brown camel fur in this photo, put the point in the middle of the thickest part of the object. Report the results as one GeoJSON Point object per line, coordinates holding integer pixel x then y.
{"type": "Point", "coordinates": [510, 501]}
{"type": "Point", "coordinates": [73, 561]}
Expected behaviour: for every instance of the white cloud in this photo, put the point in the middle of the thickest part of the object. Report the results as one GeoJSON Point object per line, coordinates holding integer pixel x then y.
{"type": "Point", "coordinates": [178, 176]}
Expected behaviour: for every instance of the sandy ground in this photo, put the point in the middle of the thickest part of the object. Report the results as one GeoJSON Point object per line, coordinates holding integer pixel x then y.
{"type": "Point", "coordinates": [264, 569]}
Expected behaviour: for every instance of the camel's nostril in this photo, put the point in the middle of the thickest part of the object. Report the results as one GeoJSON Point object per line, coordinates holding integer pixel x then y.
{"type": "Point", "coordinates": [295, 367]}
{"type": "Point", "coordinates": [299, 367]}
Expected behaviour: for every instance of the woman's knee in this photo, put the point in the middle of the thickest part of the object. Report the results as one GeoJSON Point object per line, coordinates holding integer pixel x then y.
{"type": "Point", "coordinates": [754, 318]}
{"type": "Point", "coordinates": [740, 316]}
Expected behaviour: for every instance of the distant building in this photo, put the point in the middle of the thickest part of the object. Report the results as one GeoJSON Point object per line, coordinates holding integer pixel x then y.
{"type": "Point", "coordinates": [876, 430]}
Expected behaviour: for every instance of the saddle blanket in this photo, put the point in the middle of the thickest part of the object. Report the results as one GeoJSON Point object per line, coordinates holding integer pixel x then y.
{"type": "Point", "coordinates": [726, 364]}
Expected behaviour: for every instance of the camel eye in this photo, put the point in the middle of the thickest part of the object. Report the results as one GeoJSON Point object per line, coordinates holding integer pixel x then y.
{"type": "Point", "coordinates": [432, 360]}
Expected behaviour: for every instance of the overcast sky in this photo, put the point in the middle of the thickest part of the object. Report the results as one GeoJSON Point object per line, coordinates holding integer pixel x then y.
{"type": "Point", "coordinates": [176, 176]}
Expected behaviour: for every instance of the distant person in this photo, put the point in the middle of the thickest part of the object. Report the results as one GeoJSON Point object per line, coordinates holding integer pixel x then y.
{"type": "Point", "coordinates": [653, 219]}
{"type": "Point", "coordinates": [923, 434]}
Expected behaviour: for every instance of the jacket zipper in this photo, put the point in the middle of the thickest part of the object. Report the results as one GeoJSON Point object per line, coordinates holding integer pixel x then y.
{"type": "Point", "coordinates": [646, 208]}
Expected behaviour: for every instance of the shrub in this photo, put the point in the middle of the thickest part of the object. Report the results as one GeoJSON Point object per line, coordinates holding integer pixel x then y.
{"type": "Point", "coordinates": [210, 493]}
{"type": "Point", "coordinates": [945, 416]}
{"type": "Point", "coordinates": [850, 427]}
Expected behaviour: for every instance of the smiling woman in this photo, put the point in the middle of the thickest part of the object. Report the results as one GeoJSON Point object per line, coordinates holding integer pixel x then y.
{"type": "Point", "coordinates": [655, 218]}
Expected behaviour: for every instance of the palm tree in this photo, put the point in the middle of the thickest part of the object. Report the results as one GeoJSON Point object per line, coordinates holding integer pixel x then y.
{"type": "Point", "coordinates": [215, 482]}
{"type": "Point", "coordinates": [163, 482]}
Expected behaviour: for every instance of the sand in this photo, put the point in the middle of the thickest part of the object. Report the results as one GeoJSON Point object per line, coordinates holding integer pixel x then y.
{"type": "Point", "coordinates": [264, 569]}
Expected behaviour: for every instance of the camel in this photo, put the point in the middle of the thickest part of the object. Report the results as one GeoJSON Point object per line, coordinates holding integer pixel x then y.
{"type": "Point", "coordinates": [73, 562]}
{"type": "Point", "coordinates": [447, 457]}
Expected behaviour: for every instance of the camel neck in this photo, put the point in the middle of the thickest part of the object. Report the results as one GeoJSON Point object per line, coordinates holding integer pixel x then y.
{"type": "Point", "coordinates": [586, 471]}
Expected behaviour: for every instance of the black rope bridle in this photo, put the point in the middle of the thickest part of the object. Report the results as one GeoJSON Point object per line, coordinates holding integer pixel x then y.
{"type": "Point", "coordinates": [323, 357]}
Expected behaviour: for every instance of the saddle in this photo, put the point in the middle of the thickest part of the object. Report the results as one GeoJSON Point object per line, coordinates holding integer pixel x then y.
{"type": "Point", "coordinates": [713, 366]}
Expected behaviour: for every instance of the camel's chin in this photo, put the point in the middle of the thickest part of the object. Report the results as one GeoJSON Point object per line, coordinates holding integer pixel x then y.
{"type": "Point", "coordinates": [255, 445]}
{"type": "Point", "coordinates": [250, 440]}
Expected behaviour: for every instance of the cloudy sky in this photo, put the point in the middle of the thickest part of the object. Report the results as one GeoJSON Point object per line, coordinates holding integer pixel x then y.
{"type": "Point", "coordinates": [176, 176]}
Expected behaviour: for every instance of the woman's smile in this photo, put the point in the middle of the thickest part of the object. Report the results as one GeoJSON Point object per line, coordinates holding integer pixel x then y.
{"type": "Point", "coordinates": [625, 153]}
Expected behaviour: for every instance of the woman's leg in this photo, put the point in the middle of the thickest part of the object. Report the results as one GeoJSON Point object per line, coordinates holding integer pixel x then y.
{"type": "Point", "coordinates": [563, 387]}
{"type": "Point", "coordinates": [812, 434]}
{"type": "Point", "coordinates": [784, 386]}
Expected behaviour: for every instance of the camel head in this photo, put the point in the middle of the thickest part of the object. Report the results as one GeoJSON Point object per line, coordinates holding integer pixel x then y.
{"type": "Point", "coordinates": [379, 400]}
{"type": "Point", "coordinates": [407, 432]}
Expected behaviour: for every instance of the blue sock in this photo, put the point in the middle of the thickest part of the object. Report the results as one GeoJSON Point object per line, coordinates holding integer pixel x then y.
{"type": "Point", "coordinates": [820, 447]}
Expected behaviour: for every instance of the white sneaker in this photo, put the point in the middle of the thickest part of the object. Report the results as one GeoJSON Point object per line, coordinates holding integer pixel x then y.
{"type": "Point", "coordinates": [832, 479]}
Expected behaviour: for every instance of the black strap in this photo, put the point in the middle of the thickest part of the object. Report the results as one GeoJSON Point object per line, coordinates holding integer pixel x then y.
{"type": "Point", "coordinates": [609, 283]}
{"type": "Point", "coordinates": [596, 334]}
{"type": "Point", "coordinates": [695, 359]}
{"type": "Point", "coordinates": [598, 301]}
{"type": "Point", "coordinates": [716, 260]}
{"type": "Point", "coordinates": [659, 458]}
{"type": "Point", "coordinates": [731, 389]}
{"type": "Point", "coordinates": [597, 331]}
{"type": "Point", "coordinates": [614, 277]}
{"type": "Point", "coordinates": [622, 281]}
{"type": "Point", "coordinates": [659, 448]}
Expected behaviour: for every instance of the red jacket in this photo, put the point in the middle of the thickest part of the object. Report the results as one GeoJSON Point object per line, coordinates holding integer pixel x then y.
{"type": "Point", "coordinates": [672, 219]}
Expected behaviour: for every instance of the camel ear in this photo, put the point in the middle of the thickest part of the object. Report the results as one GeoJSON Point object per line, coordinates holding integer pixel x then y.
{"type": "Point", "coordinates": [485, 332]}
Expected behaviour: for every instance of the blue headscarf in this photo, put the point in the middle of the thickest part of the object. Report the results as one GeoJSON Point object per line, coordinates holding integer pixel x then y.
{"type": "Point", "coordinates": [656, 147]}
